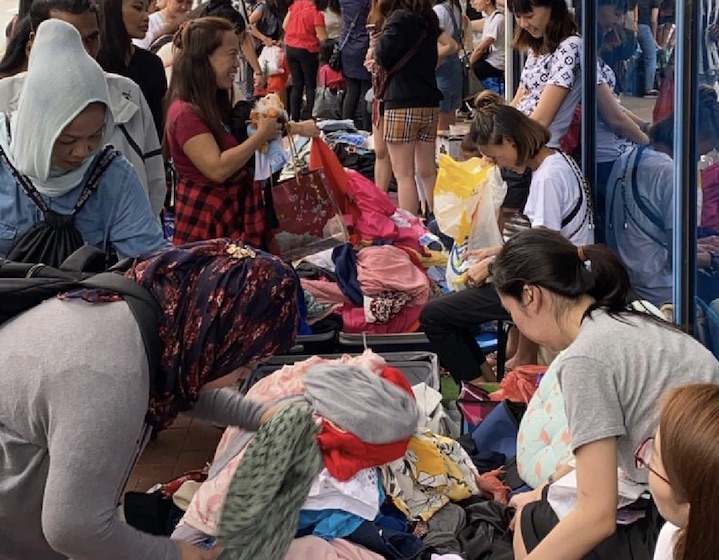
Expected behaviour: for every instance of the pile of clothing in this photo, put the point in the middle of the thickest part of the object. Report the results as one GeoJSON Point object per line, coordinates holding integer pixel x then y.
{"type": "Point", "coordinates": [342, 471]}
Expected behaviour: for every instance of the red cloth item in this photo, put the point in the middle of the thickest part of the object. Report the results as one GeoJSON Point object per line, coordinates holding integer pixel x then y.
{"type": "Point", "coordinates": [331, 79]}
{"type": "Point", "coordinates": [303, 18]}
{"type": "Point", "coordinates": [322, 157]}
{"type": "Point", "coordinates": [203, 209]}
{"type": "Point", "coordinates": [344, 454]}
{"type": "Point", "coordinates": [519, 384]}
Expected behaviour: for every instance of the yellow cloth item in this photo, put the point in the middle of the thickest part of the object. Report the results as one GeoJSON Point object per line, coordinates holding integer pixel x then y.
{"type": "Point", "coordinates": [434, 471]}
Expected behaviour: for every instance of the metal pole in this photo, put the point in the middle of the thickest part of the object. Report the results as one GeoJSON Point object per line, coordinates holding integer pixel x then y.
{"type": "Point", "coordinates": [589, 90]}
{"type": "Point", "coordinates": [509, 57]}
{"type": "Point", "coordinates": [686, 98]}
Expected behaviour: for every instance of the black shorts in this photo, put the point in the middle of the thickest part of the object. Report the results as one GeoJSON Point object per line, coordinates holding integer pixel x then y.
{"type": "Point", "coordinates": [630, 542]}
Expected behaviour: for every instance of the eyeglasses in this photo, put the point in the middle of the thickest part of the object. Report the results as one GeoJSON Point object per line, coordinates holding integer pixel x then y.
{"type": "Point", "coordinates": [643, 458]}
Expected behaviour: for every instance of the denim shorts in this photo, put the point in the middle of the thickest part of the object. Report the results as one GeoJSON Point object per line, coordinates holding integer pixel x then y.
{"type": "Point", "coordinates": [449, 81]}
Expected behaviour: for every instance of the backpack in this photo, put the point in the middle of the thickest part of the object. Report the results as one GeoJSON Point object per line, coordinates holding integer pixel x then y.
{"type": "Point", "coordinates": [25, 285]}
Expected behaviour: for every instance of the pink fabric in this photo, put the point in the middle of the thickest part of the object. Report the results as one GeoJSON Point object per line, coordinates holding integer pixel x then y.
{"type": "Point", "coordinates": [324, 291]}
{"type": "Point", "coordinates": [355, 321]}
{"type": "Point", "coordinates": [385, 268]}
{"type": "Point", "coordinates": [317, 548]}
{"type": "Point", "coordinates": [205, 508]}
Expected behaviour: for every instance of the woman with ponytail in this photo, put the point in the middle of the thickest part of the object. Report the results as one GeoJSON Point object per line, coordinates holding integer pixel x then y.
{"type": "Point", "coordinates": [682, 460]}
{"type": "Point", "coordinates": [558, 198]}
{"type": "Point", "coordinates": [616, 365]}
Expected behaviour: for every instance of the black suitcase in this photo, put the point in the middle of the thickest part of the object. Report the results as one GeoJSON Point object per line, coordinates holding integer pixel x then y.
{"type": "Point", "coordinates": [381, 343]}
{"type": "Point", "coordinates": [418, 367]}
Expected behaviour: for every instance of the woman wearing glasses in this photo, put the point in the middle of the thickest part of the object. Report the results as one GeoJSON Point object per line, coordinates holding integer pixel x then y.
{"type": "Point", "coordinates": [683, 460]}
{"type": "Point", "coordinates": [617, 364]}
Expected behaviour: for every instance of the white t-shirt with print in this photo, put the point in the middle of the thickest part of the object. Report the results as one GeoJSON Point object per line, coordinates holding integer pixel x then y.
{"type": "Point", "coordinates": [154, 28]}
{"type": "Point", "coordinates": [610, 146]}
{"type": "Point", "coordinates": [553, 194]}
{"type": "Point", "coordinates": [560, 68]}
{"type": "Point", "coordinates": [665, 542]}
{"type": "Point", "coordinates": [494, 28]}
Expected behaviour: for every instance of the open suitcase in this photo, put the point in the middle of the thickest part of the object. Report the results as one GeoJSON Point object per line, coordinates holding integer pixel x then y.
{"type": "Point", "coordinates": [418, 367]}
{"type": "Point", "coordinates": [381, 343]}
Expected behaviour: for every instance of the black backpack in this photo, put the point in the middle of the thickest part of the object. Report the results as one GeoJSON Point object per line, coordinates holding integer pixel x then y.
{"type": "Point", "coordinates": [25, 285]}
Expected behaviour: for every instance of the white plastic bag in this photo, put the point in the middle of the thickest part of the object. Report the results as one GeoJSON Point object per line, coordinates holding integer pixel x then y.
{"type": "Point", "coordinates": [271, 60]}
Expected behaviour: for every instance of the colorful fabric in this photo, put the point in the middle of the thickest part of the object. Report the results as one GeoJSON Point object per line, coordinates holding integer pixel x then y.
{"type": "Point", "coordinates": [345, 454]}
{"type": "Point", "coordinates": [203, 209]}
{"type": "Point", "coordinates": [206, 505]}
{"type": "Point", "coordinates": [415, 124]}
{"type": "Point", "coordinates": [384, 306]}
{"type": "Point", "coordinates": [328, 523]}
{"type": "Point", "coordinates": [262, 506]}
{"type": "Point", "coordinates": [543, 443]}
{"type": "Point", "coordinates": [384, 268]}
{"type": "Point", "coordinates": [435, 471]}
{"type": "Point", "coordinates": [319, 549]}
{"type": "Point", "coordinates": [224, 306]}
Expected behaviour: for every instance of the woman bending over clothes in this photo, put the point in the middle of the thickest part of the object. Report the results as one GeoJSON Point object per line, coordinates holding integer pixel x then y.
{"type": "Point", "coordinates": [73, 424]}
{"type": "Point", "coordinates": [559, 199]}
{"type": "Point", "coordinates": [617, 364]}
{"type": "Point", "coordinates": [54, 147]}
{"type": "Point", "coordinates": [682, 459]}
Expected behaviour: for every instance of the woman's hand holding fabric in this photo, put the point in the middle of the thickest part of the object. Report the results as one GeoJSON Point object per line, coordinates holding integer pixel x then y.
{"type": "Point", "coordinates": [268, 128]}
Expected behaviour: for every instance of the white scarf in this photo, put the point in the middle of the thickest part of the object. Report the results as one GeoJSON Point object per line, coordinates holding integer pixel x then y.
{"type": "Point", "coordinates": [62, 80]}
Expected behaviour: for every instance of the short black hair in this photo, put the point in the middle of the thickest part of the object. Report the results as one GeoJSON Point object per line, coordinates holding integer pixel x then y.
{"type": "Point", "coordinates": [40, 9]}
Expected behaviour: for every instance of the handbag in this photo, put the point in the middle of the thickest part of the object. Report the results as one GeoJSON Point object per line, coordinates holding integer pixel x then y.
{"type": "Point", "coordinates": [56, 237]}
{"type": "Point", "coordinates": [382, 76]}
{"type": "Point", "coordinates": [309, 218]}
{"type": "Point", "coordinates": [335, 61]}
{"type": "Point", "coordinates": [328, 103]}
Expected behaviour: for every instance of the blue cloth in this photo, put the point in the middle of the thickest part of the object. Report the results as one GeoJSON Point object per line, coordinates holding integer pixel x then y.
{"type": "Point", "coordinates": [118, 213]}
{"type": "Point", "coordinates": [328, 523]}
{"type": "Point", "coordinates": [345, 261]}
{"type": "Point", "coordinates": [354, 41]}
{"type": "Point", "coordinates": [498, 432]}
{"type": "Point", "coordinates": [393, 545]}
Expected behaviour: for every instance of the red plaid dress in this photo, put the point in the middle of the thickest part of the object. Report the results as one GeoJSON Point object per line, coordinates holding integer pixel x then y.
{"type": "Point", "coordinates": [203, 209]}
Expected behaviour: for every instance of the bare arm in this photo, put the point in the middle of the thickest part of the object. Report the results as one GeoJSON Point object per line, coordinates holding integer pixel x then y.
{"type": "Point", "coordinates": [255, 18]}
{"type": "Point", "coordinates": [594, 517]}
{"type": "Point", "coordinates": [521, 92]}
{"type": "Point", "coordinates": [321, 32]}
{"type": "Point", "coordinates": [481, 49]}
{"type": "Point", "coordinates": [611, 112]}
{"type": "Point", "coordinates": [217, 165]}
{"type": "Point", "coordinates": [549, 103]}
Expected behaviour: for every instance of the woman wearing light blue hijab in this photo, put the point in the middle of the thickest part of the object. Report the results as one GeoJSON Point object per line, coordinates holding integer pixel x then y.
{"type": "Point", "coordinates": [54, 142]}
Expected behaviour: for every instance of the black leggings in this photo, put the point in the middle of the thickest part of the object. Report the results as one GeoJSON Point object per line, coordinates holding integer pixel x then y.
{"type": "Point", "coordinates": [451, 323]}
{"type": "Point", "coordinates": [303, 68]}
{"type": "Point", "coordinates": [483, 70]}
{"type": "Point", "coordinates": [356, 91]}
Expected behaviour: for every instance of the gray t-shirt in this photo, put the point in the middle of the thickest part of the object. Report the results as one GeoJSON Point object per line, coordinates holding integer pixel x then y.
{"type": "Point", "coordinates": [614, 373]}
{"type": "Point", "coordinates": [74, 388]}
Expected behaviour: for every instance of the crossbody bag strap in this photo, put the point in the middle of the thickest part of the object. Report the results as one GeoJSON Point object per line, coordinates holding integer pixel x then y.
{"type": "Point", "coordinates": [643, 208]}
{"type": "Point", "coordinates": [24, 182]}
{"type": "Point", "coordinates": [457, 28]}
{"type": "Point", "coordinates": [100, 165]}
{"type": "Point", "coordinates": [408, 55]}
{"type": "Point", "coordinates": [353, 23]}
{"type": "Point", "coordinates": [584, 193]}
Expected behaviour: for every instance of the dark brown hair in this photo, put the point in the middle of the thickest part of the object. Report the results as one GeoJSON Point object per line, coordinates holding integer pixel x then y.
{"type": "Point", "coordinates": [494, 121]}
{"type": "Point", "coordinates": [193, 79]}
{"type": "Point", "coordinates": [689, 447]}
{"type": "Point", "coordinates": [423, 8]}
{"type": "Point", "coordinates": [561, 25]}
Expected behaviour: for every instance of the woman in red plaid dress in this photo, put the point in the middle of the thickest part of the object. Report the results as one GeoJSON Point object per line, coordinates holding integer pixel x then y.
{"type": "Point", "coordinates": [216, 195]}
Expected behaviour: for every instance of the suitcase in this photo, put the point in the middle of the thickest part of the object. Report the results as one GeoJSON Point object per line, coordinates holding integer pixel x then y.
{"type": "Point", "coordinates": [380, 343]}
{"type": "Point", "coordinates": [417, 367]}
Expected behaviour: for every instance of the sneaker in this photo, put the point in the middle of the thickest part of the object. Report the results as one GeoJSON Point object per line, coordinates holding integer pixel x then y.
{"type": "Point", "coordinates": [651, 93]}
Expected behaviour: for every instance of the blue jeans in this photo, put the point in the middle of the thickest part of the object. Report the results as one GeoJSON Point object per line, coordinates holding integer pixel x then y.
{"type": "Point", "coordinates": [649, 53]}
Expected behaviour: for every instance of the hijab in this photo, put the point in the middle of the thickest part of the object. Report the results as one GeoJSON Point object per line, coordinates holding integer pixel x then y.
{"type": "Point", "coordinates": [61, 81]}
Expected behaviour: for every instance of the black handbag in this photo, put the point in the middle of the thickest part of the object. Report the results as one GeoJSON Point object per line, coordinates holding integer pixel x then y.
{"type": "Point", "coordinates": [56, 237]}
